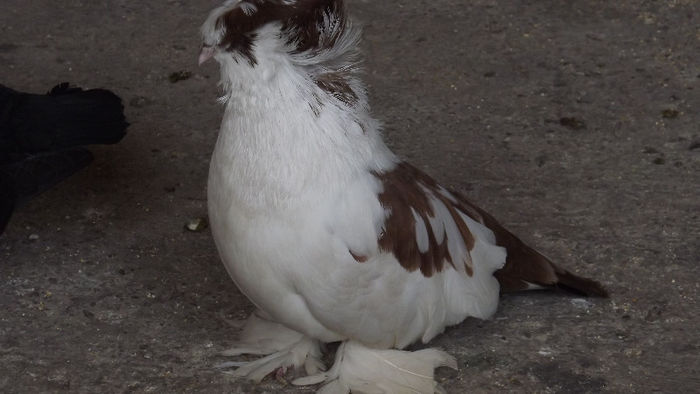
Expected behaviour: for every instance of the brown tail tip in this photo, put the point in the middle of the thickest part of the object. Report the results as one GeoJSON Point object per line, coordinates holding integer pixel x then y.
{"type": "Point", "coordinates": [584, 286]}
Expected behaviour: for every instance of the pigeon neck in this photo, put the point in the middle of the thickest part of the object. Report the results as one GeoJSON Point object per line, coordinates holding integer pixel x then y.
{"type": "Point", "coordinates": [285, 135]}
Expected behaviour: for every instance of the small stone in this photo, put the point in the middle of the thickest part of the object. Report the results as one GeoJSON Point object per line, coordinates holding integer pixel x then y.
{"type": "Point", "coordinates": [633, 352]}
{"type": "Point", "coordinates": [196, 225]}
{"type": "Point", "coordinates": [178, 76]}
{"type": "Point", "coordinates": [139, 102]}
{"type": "Point", "coordinates": [33, 237]}
{"type": "Point", "coordinates": [545, 351]}
{"type": "Point", "coordinates": [670, 113]}
{"type": "Point", "coordinates": [581, 303]}
{"type": "Point", "coordinates": [541, 160]}
{"type": "Point", "coordinates": [572, 123]}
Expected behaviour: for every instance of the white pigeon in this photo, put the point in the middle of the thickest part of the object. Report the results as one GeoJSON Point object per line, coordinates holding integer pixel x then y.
{"type": "Point", "coordinates": [324, 229]}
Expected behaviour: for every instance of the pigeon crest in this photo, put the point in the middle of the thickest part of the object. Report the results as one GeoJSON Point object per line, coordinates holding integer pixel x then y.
{"type": "Point", "coordinates": [315, 36]}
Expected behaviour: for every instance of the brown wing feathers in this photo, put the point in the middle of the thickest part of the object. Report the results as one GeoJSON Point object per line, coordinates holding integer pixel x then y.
{"type": "Point", "coordinates": [404, 194]}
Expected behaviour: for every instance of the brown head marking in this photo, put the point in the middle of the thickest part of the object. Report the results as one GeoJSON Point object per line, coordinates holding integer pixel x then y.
{"type": "Point", "coordinates": [306, 25]}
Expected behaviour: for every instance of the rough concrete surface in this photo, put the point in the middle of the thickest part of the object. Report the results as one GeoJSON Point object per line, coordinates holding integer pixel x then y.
{"type": "Point", "coordinates": [576, 123]}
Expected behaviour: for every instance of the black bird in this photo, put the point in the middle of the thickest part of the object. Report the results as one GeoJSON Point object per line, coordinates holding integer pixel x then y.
{"type": "Point", "coordinates": [41, 138]}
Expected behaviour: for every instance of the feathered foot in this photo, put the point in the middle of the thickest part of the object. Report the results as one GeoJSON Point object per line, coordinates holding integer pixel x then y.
{"type": "Point", "coordinates": [283, 349]}
{"type": "Point", "coordinates": [360, 369]}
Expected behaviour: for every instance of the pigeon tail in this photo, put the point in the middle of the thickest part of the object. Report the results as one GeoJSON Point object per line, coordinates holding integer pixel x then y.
{"type": "Point", "coordinates": [63, 118]}
{"type": "Point", "coordinates": [577, 284]}
{"type": "Point", "coordinates": [528, 269]}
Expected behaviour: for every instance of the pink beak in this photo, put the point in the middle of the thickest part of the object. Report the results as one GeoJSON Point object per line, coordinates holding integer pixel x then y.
{"type": "Point", "coordinates": [205, 54]}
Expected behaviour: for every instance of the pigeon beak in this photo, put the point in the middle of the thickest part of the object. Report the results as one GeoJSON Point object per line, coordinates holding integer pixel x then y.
{"type": "Point", "coordinates": [205, 54]}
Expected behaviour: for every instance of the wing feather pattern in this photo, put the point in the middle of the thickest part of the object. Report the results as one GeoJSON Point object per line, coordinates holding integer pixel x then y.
{"type": "Point", "coordinates": [415, 204]}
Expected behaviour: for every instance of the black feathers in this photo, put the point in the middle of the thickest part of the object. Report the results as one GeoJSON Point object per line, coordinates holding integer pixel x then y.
{"type": "Point", "coordinates": [40, 136]}
{"type": "Point", "coordinates": [65, 117]}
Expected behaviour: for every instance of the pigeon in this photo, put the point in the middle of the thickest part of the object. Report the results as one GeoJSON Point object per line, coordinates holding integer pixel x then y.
{"type": "Point", "coordinates": [41, 138]}
{"type": "Point", "coordinates": [331, 236]}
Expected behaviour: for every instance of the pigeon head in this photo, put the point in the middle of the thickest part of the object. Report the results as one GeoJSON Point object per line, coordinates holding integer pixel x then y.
{"type": "Point", "coordinates": [310, 42]}
{"type": "Point", "coordinates": [256, 31]}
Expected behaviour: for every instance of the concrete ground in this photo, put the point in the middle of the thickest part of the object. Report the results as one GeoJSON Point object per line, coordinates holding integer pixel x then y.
{"type": "Point", "coordinates": [576, 123]}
